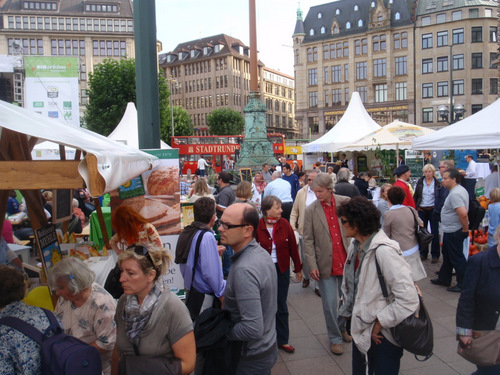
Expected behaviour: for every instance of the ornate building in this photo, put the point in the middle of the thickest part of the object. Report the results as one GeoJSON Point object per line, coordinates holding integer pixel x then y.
{"type": "Point", "coordinates": [214, 72]}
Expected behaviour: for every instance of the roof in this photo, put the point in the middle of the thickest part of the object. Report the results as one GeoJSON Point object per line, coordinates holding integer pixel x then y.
{"type": "Point", "coordinates": [343, 11]}
{"type": "Point", "coordinates": [435, 6]}
{"type": "Point", "coordinates": [73, 8]}
{"type": "Point", "coordinates": [299, 25]}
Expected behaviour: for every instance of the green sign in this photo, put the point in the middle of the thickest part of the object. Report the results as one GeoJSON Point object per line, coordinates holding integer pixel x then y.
{"type": "Point", "coordinates": [47, 66]}
{"type": "Point", "coordinates": [415, 160]}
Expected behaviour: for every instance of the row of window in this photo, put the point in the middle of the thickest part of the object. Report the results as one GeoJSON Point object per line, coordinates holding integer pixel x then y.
{"type": "Point", "coordinates": [458, 88]}
{"type": "Point", "coordinates": [458, 37]}
{"type": "Point", "coordinates": [428, 113]}
{"type": "Point", "coordinates": [269, 105]}
{"type": "Point", "coordinates": [101, 8]}
{"type": "Point", "coordinates": [278, 90]}
{"type": "Point", "coordinates": [348, 26]}
{"type": "Point", "coordinates": [70, 24]}
{"type": "Point", "coordinates": [274, 121]}
{"type": "Point", "coordinates": [458, 62]}
{"type": "Point", "coordinates": [455, 16]}
{"type": "Point", "coordinates": [40, 5]}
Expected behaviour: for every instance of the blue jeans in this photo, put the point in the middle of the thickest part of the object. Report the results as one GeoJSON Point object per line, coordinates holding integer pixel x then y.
{"type": "Point", "coordinates": [383, 359]}
{"type": "Point", "coordinates": [282, 312]}
{"type": "Point", "coordinates": [330, 292]}
{"type": "Point", "coordinates": [490, 370]}
{"type": "Point", "coordinates": [453, 257]}
{"type": "Point", "coordinates": [426, 216]}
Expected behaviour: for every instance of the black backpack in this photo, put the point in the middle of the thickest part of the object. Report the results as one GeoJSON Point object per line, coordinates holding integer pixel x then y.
{"type": "Point", "coordinates": [476, 213]}
{"type": "Point", "coordinates": [61, 354]}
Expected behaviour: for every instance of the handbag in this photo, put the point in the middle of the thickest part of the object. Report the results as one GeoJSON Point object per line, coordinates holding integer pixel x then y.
{"type": "Point", "coordinates": [195, 298]}
{"type": "Point", "coordinates": [130, 364]}
{"type": "Point", "coordinates": [484, 349]}
{"type": "Point", "coordinates": [415, 333]}
{"type": "Point", "coordinates": [424, 237]}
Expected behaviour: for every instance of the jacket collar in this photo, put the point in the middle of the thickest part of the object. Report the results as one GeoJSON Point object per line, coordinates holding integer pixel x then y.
{"type": "Point", "coordinates": [493, 258]}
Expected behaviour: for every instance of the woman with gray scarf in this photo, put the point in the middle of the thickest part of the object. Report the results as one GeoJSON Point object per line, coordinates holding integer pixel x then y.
{"type": "Point", "coordinates": [151, 321]}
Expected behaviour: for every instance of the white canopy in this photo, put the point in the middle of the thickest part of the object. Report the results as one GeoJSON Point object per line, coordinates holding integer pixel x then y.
{"type": "Point", "coordinates": [127, 131]}
{"type": "Point", "coordinates": [396, 135]}
{"type": "Point", "coordinates": [478, 131]}
{"type": "Point", "coordinates": [355, 123]}
{"type": "Point", "coordinates": [107, 164]}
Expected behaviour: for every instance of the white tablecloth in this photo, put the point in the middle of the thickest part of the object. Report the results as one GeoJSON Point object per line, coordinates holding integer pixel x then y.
{"type": "Point", "coordinates": [483, 170]}
{"type": "Point", "coordinates": [101, 267]}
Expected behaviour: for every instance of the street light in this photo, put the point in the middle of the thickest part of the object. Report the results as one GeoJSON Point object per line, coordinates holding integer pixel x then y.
{"type": "Point", "coordinates": [172, 81]}
{"type": "Point", "coordinates": [458, 111]}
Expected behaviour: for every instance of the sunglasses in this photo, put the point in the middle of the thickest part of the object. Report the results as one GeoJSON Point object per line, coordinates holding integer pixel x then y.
{"type": "Point", "coordinates": [227, 226]}
{"type": "Point", "coordinates": [141, 250]}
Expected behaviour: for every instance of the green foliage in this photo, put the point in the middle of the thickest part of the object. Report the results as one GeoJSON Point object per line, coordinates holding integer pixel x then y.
{"type": "Point", "coordinates": [182, 124]}
{"type": "Point", "coordinates": [225, 121]}
{"type": "Point", "coordinates": [388, 158]}
{"type": "Point", "coordinates": [111, 87]}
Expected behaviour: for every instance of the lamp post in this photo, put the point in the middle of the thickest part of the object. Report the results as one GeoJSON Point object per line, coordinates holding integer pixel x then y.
{"type": "Point", "coordinates": [172, 82]}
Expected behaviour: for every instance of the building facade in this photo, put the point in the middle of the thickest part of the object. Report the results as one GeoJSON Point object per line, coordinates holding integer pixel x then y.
{"type": "Point", "coordinates": [387, 50]}
{"type": "Point", "coordinates": [87, 29]}
{"type": "Point", "coordinates": [214, 72]}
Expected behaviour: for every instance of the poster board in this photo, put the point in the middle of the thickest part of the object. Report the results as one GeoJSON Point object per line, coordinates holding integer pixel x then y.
{"type": "Point", "coordinates": [415, 161]}
{"type": "Point", "coordinates": [62, 205]}
{"type": "Point", "coordinates": [187, 214]}
{"type": "Point", "coordinates": [246, 174]}
{"type": "Point", "coordinates": [48, 246]}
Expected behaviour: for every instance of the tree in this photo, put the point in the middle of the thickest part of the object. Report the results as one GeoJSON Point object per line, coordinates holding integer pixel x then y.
{"type": "Point", "coordinates": [182, 124]}
{"type": "Point", "coordinates": [225, 121]}
{"type": "Point", "coordinates": [111, 87]}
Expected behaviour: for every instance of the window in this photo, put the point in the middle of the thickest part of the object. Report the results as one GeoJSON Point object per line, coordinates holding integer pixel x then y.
{"type": "Point", "coordinates": [477, 60]}
{"type": "Point", "coordinates": [476, 34]}
{"type": "Point", "coordinates": [401, 66]}
{"type": "Point", "coordinates": [361, 70]}
{"type": "Point", "coordinates": [476, 108]}
{"type": "Point", "coordinates": [426, 21]}
{"type": "Point", "coordinates": [357, 47]}
{"type": "Point", "coordinates": [313, 124]}
{"type": "Point", "coordinates": [315, 54]}
{"type": "Point", "coordinates": [313, 76]}
{"type": "Point", "coordinates": [426, 41]}
{"type": "Point", "coordinates": [363, 93]}
{"type": "Point", "coordinates": [322, 30]}
{"type": "Point", "coordinates": [442, 88]}
{"type": "Point", "coordinates": [442, 64]}
{"type": "Point", "coordinates": [339, 49]}
{"type": "Point", "coordinates": [441, 18]}
{"type": "Point", "coordinates": [346, 49]}
{"type": "Point", "coordinates": [333, 51]}
{"type": "Point", "coordinates": [346, 72]}
{"type": "Point", "coordinates": [326, 52]}
{"type": "Point", "coordinates": [356, 8]}
{"type": "Point", "coordinates": [320, 15]}
{"type": "Point", "coordinates": [336, 97]}
{"type": "Point", "coordinates": [379, 67]}
{"type": "Point", "coordinates": [346, 95]}
{"type": "Point", "coordinates": [458, 36]}
{"type": "Point", "coordinates": [336, 74]}
{"type": "Point", "coordinates": [427, 115]}
{"type": "Point", "coordinates": [474, 13]}
{"type": "Point", "coordinates": [456, 15]}
{"type": "Point", "coordinates": [380, 93]}
{"type": "Point", "coordinates": [313, 99]}
{"type": "Point", "coordinates": [427, 90]}
{"type": "Point", "coordinates": [397, 16]}
{"type": "Point", "coordinates": [477, 86]}
{"type": "Point", "coordinates": [493, 60]}
{"type": "Point", "coordinates": [458, 87]}
{"type": "Point", "coordinates": [311, 32]}
{"type": "Point", "coordinates": [442, 38]}
{"type": "Point", "coordinates": [401, 90]}
{"type": "Point", "coordinates": [348, 25]}
{"type": "Point", "coordinates": [379, 43]}
{"type": "Point", "coordinates": [360, 23]}
{"type": "Point", "coordinates": [458, 62]}
{"type": "Point", "coordinates": [326, 74]}
{"type": "Point", "coordinates": [364, 46]}
{"type": "Point", "coordinates": [309, 55]}
{"type": "Point", "coordinates": [493, 34]}
{"type": "Point", "coordinates": [493, 85]}
{"type": "Point", "coordinates": [327, 97]}
{"type": "Point", "coordinates": [427, 66]}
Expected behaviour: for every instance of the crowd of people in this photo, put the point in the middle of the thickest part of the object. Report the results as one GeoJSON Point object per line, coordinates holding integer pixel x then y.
{"type": "Point", "coordinates": [331, 231]}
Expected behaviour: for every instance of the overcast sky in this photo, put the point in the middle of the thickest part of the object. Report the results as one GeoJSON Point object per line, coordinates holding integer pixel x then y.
{"type": "Point", "coordinates": [180, 21]}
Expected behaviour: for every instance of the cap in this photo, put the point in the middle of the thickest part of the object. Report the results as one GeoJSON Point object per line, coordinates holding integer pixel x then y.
{"type": "Point", "coordinates": [402, 169]}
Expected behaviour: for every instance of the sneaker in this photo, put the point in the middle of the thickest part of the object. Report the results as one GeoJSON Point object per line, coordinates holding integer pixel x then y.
{"type": "Point", "coordinates": [337, 349]}
{"type": "Point", "coordinates": [346, 337]}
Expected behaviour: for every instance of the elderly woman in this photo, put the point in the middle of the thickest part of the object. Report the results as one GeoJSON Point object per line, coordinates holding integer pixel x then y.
{"type": "Point", "coordinates": [425, 197]}
{"type": "Point", "coordinates": [86, 310]}
{"type": "Point", "coordinates": [383, 204]}
{"type": "Point", "coordinates": [479, 301]}
{"type": "Point", "coordinates": [372, 315]}
{"type": "Point", "coordinates": [151, 321]}
{"type": "Point", "coordinates": [276, 236]}
{"type": "Point", "coordinates": [200, 189]}
{"type": "Point", "coordinates": [18, 353]}
{"type": "Point", "coordinates": [399, 225]}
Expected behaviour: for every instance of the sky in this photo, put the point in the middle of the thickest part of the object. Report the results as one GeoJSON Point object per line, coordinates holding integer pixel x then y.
{"type": "Point", "coordinates": [180, 21]}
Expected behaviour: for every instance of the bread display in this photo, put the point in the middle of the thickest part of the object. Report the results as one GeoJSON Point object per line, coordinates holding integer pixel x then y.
{"type": "Point", "coordinates": [164, 181]}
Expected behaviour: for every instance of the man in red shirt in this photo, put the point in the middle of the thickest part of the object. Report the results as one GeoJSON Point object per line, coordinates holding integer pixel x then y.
{"type": "Point", "coordinates": [325, 249]}
{"type": "Point", "coordinates": [403, 174]}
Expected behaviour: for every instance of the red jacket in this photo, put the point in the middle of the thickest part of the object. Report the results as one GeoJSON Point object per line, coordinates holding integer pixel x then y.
{"type": "Point", "coordinates": [409, 197]}
{"type": "Point", "coordinates": [286, 243]}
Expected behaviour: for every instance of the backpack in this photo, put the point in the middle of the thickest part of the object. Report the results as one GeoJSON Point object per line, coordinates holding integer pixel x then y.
{"type": "Point", "coordinates": [61, 354]}
{"type": "Point", "coordinates": [475, 214]}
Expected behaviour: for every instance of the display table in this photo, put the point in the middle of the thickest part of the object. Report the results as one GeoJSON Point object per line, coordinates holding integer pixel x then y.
{"type": "Point", "coordinates": [22, 250]}
{"type": "Point", "coordinates": [95, 228]}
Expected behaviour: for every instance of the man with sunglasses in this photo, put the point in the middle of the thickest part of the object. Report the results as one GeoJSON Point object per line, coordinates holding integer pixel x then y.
{"type": "Point", "coordinates": [251, 291]}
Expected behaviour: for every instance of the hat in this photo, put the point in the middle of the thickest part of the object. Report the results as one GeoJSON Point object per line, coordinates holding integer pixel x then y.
{"type": "Point", "coordinates": [295, 161]}
{"type": "Point", "coordinates": [402, 169]}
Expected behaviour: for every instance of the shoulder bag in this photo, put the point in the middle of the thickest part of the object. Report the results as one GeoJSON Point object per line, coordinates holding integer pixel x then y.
{"type": "Point", "coordinates": [195, 298]}
{"type": "Point", "coordinates": [415, 333]}
{"type": "Point", "coordinates": [146, 365]}
{"type": "Point", "coordinates": [484, 349]}
{"type": "Point", "coordinates": [424, 237]}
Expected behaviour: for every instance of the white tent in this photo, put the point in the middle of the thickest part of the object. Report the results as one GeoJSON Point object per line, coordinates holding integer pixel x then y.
{"type": "Point", "coordinates": [355, 123]}
{"type": "Point", "coordinates": [106, 165]}
{"type": "Point", "coordinates": [478, 131]}
{"type": "Point", "coordinates": [48, 150]}
{"type": "Point", "coordinates": [127, 131]}
{"type": "Point", "coordinates": [394, 136]}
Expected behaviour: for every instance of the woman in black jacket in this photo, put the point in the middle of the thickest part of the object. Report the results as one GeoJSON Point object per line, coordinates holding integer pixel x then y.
{"type": "Point", "coordinates": [425, 197]}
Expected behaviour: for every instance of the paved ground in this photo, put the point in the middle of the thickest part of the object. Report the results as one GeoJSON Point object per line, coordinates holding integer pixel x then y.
{"type": "Point", "coordinates": [313, 356]}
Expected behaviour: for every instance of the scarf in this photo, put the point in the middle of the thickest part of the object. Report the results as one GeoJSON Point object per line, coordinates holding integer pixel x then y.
{"type": "Point", "coordinates": [137, 316]}
{"type": "Point", "coordinates": [260, 183]}
{"type": "Point", "coordinates": [185, 239]}
{"type": "Point", "coordinates": [270, 220]}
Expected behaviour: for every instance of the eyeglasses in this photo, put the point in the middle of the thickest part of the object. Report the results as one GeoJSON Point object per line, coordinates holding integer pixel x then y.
{"type": "Point", "coordinates": [141, 250]}
{"type": "Point", "coordinates": [309, 179]}
{"type": "Point", "coordinates": [227, 226]}
{"type": "Point", "coordinates": [343, 221]}
{"type": "Point", "coordinates": [441, 166]}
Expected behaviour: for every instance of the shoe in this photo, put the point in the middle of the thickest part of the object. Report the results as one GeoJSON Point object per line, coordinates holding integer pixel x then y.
{"type": "Point", "coordinates": [346, 337]}
{"type": "Point", "coordinates": [455, 289]}
{"type": "Point", "coordinates": [423, 258]}
{"type": "Point", "coordinates": [435, 260]}
{"type": "Point", "coordinates": [337, 349]}
{"type": "Point", "coordinates": [318, 292]}
{"type": "Point", "coordinates": [439, 282]}
{"type": "Point", "coordinates": [287, 348]}
{"type": "Point", "coordinates": [305, 283]}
